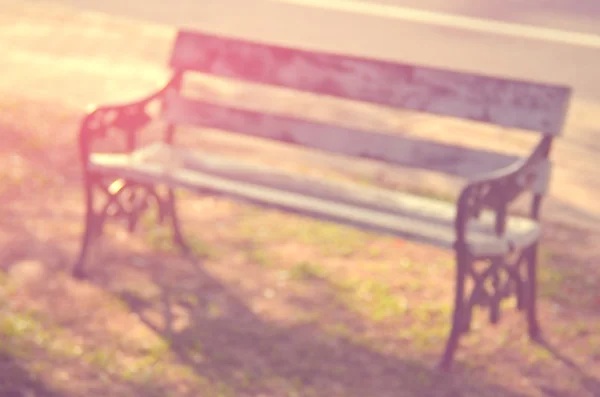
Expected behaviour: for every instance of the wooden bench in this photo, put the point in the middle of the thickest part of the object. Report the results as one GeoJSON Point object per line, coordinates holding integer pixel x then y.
{"type": "Point", "coordinates": [477, 227]}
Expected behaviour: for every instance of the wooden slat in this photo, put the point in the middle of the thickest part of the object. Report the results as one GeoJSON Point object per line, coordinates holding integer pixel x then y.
{"type": "Point", "coordinates": [403, 215]}
{"type": "Point", "coordinates": [503, 102]}
{"type": "Point", "coordinates": [392, 149]}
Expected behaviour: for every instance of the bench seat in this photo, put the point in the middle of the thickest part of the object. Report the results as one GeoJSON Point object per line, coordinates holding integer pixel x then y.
{"type": "Point", "coordinates": [404, 215]}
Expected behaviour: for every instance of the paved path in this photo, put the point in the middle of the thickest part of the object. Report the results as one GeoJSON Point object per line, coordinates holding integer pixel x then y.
{"type": "Point", "coordinates": [580, 15]}
{"type": "Point", "coordinates": [577, 16]}
{"type": "Point", "coordinates": [397, 33]}
{"type": "Point", "coordinates": [51, 49]}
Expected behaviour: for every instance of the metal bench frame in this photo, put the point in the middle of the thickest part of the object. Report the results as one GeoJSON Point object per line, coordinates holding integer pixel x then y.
{"type": "Point", "coordinates": [512, 273]}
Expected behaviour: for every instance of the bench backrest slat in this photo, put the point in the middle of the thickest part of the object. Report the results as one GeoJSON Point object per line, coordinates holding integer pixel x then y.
{"type": "Point", "coordinates": [392, 149]}
{"type": "Point", "coordinates": [510, 103]}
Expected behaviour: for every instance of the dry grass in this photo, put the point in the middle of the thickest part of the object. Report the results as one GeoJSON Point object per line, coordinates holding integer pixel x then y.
{"type": "Point", "coordinates": [271, 304]}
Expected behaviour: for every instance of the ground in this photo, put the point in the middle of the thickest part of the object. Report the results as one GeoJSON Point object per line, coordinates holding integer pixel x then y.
{"type": "Point", "coordinates": [268, 304]}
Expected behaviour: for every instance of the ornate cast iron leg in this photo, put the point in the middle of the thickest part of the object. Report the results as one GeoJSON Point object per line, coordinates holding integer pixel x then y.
{"type": "Point", "coordinates": [534, 328]}
{"type": "Point", "coordinates": [496, 298]}
{"type": "Point", "coordinates": [127, 120]}
{"type": "Point", "coordinates": [520, 285]}
{"type": "Point", "coordinates": [133, 218]}
{"type": "Point", "coordinates": [93, 227]}
{"type": "Point", "coordinates": [459, 321]}
{"type": "Point", "coordinates": [501, 278]}
{"type": "Point", "coordinates": [128, 201]}
{"type": "Point", "coordinates": [172, 211]}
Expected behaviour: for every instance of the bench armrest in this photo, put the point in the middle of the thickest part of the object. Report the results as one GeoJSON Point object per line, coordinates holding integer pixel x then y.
{"type": "Point", "coordinates": [498, 189]}
{"type": "Point", "coordinates": [126, 117]}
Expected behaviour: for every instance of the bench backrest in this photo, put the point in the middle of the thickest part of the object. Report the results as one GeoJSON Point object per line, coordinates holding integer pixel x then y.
{"type": "Point", "coordinates": [516, 104]}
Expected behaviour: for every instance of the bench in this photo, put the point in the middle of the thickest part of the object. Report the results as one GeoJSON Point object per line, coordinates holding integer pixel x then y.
{"type": "Point", "coordinates": [496, 252]}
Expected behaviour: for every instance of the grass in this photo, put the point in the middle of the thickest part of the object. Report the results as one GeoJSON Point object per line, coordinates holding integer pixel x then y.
{"type": "Point", "coordinates": [260, 257]}
{"type": "Point", "coordinates": [551, 283]}
{"type": "Point", "coordinates": [33, 338]}
{"type": "Point", "coordinates": [305, 271]}
{"type": "Point", "coordinates": [381, 302]}
{"type": "Point", "coordinates": [160, 238]}
{"type": "Point", "coordinates": [372, 299]}
{"type": "Point", "coordinates": [366, 297]}
{"type": "Point", "coordinates": [330, 238]}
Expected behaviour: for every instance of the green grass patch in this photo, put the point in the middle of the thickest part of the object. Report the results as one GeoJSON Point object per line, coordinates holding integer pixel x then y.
{"type": "Point", "coordinates": [103, 359]}
{"type": "Point", "coordinates": [24, 332]}
{"type": "Point", "coordinates": [551, 282]}
{"type": "Point", "coordinates": [423, 191]}
{"type": "Point", "coordinates": [372, 299]}
{"type": "Point", "coordinates": [3, 279]}
{"type": "Point", "coordinates": [537, 354]}
{"type": "Point", "coordinates": [27, 336]}
{"type": "Point", "coordinates": [338, 330]}
{"type": "Point", "coordinates": [330, 238]}
{"type": "Point", "coordinates": [307, 271]}
{"type": "Point", "coordinates": [160, 238]}
{"type": "Point", "coordinates": [260, 257]}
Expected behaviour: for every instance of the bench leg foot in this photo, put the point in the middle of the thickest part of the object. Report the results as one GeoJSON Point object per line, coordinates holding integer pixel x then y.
{"type": "Point", "coordinates": [93, 227]}
{"type": "Point", "coordinates": [450, 349]}
{"type": "Point", "coordinates": [532, 320]}
{"type": "Point", "coordinates": [460, 315]}
{"type": "Point", "coordinates": [177, 234]}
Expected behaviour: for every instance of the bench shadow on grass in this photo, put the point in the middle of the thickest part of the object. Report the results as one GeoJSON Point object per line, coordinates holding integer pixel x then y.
{"type": "Point", "coordinates": [588, 382]}
{"type": "Point", "coordinates": [251, 355]}
{"type": "Point", "coordinates": [17, 381]}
